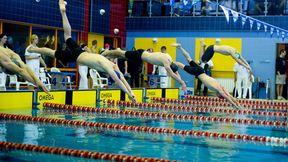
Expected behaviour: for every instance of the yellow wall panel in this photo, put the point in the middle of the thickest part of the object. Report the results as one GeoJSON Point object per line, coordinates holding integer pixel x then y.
{"type": "Point", "coordinates": [153, 93]}
{"type": "Point", "coordinates": [145, 43]}
{"type": "Point", "coordinates": [16, 102]}
{"type": "Point", "coordinates": [172, 93]}
{"type": "Point", "coordinates": [84, 98]}
{"type": "Point", "coordinates": [138, 94]}
{"type": "Point", "coordinates": [223, 74]}
{"type": "Point", "coordinates": [99, 38]}
{"type": "Point", "coordinates": [110, 94]}
{"type": "Point", "coordinates": [55, 97]}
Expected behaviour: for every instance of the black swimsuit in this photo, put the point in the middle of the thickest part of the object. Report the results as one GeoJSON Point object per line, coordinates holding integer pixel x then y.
{"type": "Point", "coordinates": [134, 55]}
{"type": "Point", "coordinates": [194, 69]}
{"type": "Point", "coordinates": [208, 54]}
{"type": "Point", "coordinates": [174, 67]}
{"type": "Point", "coordinates": [71, 54]}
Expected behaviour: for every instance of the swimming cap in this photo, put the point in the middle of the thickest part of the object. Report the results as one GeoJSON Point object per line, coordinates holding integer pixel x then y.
{"type": "Point", "coordinates": [101, 50]}
{"type": "Point", "coordinates": [237, 55]}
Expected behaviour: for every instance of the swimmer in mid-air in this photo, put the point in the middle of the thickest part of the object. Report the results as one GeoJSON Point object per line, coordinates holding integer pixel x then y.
{"type": "Point", "coordinates": [209, 82]}
{"type": "Point", "coordinates": [207, 54]}
{"type": "Point", "coordinates": [11, 63]}
{"type": "Point", "coordinates": [155, 58]}
{"type": "Point", "coordinates": [76, 53]}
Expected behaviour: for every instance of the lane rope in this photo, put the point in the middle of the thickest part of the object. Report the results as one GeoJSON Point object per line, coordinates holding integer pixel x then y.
{"type": "Point", "coordinates": [244, 101]}
{"type": "Point", "coordinates": [165, 131]}
{"type": "Point", "coordinates": [76, 153]}
{"type": "Point", "coordinates": [180, 117]}
{"type": "Point", "coordinates": [180, 108]}
{"type": "Point", "coordinates": [217, 103]}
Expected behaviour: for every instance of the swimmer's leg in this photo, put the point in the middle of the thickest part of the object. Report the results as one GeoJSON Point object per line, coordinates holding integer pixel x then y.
{"type": "Point", "coordinates": [65, 22]}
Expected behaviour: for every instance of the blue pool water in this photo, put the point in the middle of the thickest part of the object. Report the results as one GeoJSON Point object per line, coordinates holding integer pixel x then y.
{"type": "Point", "coordinates": [143, 144]}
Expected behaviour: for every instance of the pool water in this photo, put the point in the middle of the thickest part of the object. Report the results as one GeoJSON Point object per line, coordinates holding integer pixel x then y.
{"type": "Point", "coordinates": [143, 144]}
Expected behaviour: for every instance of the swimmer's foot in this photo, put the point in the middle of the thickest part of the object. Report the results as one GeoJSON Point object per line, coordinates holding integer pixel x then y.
{"type": "Point", "coordinates": [53, 39]}
{"type": "Point", "coordinates": [202, 43]}
{"type": "Point", "coordinates": [177, 45]}
{"type": "Point", "coordinates": [47, 39]}
{"type": "Point", "coordinates": [62, 5]}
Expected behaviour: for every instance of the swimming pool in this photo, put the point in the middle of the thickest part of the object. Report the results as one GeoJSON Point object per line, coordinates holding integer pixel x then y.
{"type": "Point", "coordinates": [148, 143]}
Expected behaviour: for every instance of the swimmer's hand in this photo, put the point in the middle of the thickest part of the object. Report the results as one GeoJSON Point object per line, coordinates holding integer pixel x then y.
{"type": "Point", "coordinates": [47, 40]}
{"type": "Point", "coordinates": [41, 86]}
{"type": "Point", "coordinates": [184, 88]}
{"type": "Point", "coordinates": [52, 39]}
{"type": "Point", "coordinates": [132, 98]}
{"type": "Point", "coordinates": [237, 106]}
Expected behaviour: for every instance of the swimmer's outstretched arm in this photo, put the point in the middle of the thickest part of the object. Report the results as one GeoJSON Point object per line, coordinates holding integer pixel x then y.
{"type": "Point", "coordinates": [176, 77]}
{"type": "Point", "coordinates": [236, 102]}
{"type": "Point", "coordinates": [241, 61]}
{"type": "Point", "coordinates": [31, 74]}
{"type": "Point", "coordinates": [38, 82]}
{"type": "Point", "coordinates": [224, 93]}
{"type": "Point", "coordinates": [6, 63]}
{"type": "Point", "coordinates": [224, 49]}
{"type": "Point", "coordinates": [112, 74]}
{"type": "Point", "coordinates": [125, 82]}
{"type": "Point", "coordinates": [246, 63]}
{"type": "Point", "coordinates": [24, 71]}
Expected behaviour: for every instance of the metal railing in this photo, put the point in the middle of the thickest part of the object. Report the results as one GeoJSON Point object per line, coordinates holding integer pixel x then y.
{"type": "Point", "coordinates": [149, 8]}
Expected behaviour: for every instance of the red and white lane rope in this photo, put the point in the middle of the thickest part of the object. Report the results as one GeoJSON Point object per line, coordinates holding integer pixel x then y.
{"type": "Point", "coordinates": [244, 101]}
{"type": "Point", "coordinates": [180, 108]}
{"type": "Point", "coordinates": [215, 103]}
{"type": "Point", "coordinates": [75, 153]}
{"type": "Point", "coordinates": [157, 115]}
{"type": "Point", "coordinates": [166, 131]}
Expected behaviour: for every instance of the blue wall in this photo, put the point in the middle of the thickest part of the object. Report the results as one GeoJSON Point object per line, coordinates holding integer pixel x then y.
{"type": "Point", "coordinates": [100, 23]}
{"type": "Point", "coordinates": [257, 47]}
{"type": "Point", "coordinates": [45, 12]}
